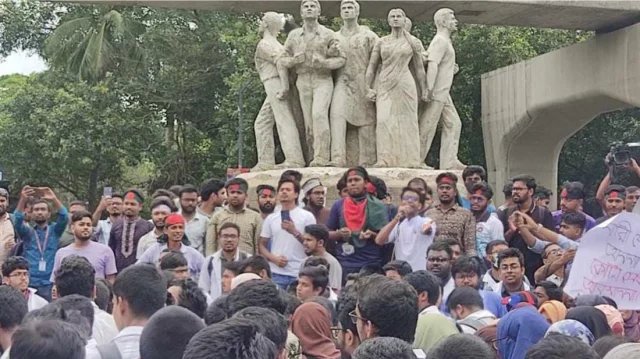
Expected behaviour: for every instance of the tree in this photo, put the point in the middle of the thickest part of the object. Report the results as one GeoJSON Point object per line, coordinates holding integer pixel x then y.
{"type": "Point", "coordinates": [72, 135]}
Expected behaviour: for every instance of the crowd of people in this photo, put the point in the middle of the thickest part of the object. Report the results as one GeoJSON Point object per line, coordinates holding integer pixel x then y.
{"type": "Point", "coordinates": [439, 274]}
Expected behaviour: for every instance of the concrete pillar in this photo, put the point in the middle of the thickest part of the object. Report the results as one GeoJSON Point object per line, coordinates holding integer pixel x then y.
{"type": "Point", "coordinates": [531, 108]}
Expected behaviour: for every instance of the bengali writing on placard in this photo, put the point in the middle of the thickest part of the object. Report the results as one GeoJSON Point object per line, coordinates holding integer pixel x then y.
{"type": "Point", "coordinates": [608, 262]}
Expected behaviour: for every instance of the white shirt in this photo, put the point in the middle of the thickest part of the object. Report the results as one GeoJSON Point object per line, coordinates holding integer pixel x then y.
{"type": "Point", "coordinates": [335, 271]}
{"type": "Point", "coordinates": [196, 231]}
{"type": "Point", "coordinates": [104, 327]}
{"type": "Point", "coordinates": [103, 230]}
{"type": "Point", "coordinates": [5, 355]}
{"type": "Point", "coordinates": [211, 283]}
{"type": "Point", "coordinates": [128, 342]}
{"type": "Point", "coordinates": [410, 243]}
{"type": "Point", "coordinates": [193, 257]}
{"type": "Point", "coordinates": [525, 286]}
{"type": "Point", "coordinates": [91, 350]}
{"type": "Point", "coordinates": [488, 231]}
{"type": "Point", "coordinates": [489, 283]}
{"type": "Point", "coordinates": [285, 244]}
{"type": "Point", "coordinates": [35, 301]}
{"type": "Point", "coordinates": [447, 289]}
{"type": "Point", "coordinates": [432, 309]}
{"type": "Point", "coordinates": [145, 242]}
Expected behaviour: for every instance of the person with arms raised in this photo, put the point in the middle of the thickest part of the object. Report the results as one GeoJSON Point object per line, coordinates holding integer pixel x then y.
{"type": "Point", "coordinates": [40, 241]}
{"type": "Point", "coordinates": [102, 227]}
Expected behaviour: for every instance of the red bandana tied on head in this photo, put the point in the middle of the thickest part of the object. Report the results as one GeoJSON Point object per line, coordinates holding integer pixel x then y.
{"type": "Point", "coordinates": [564, 193]}
{"type": "Point", "coordinates": [134, 196]}
{"type": "Point", "coordinates": [479, 192]}
{"type": "Point", "coordinates": [353, 173]}
{"type": "Point", "coordinates": [614, 194]}
{"type": "Point", "coordinates": [266, 192]}
{"type": "Point", "coordinates": [173, 219]}
{"type": "Point", "coordinates": [446, 180]}
{"type": "Point", "coordinates": [234, 187]}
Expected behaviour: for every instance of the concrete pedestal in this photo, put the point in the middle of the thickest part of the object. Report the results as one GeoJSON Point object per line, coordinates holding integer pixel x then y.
{"type": "Point", "coordinates": [395, 178]}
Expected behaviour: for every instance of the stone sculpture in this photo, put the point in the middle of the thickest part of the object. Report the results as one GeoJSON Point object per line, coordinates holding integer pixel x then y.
{"type": "Point", "coordinates": [441, 66]}
{"type": "Point", "coordinates": [396, 94]}
{"type": "Point", "coordinates": [275, 109]}
{"type": "Point", "coordinates": [314, 52]}
{"type": "Point", "coordinates": [350, 105]}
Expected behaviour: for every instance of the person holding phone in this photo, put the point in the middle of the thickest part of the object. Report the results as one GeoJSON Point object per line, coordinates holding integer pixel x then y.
{"type": "Point", "coordinates": [41, 240]}
{"type": "Point", "coordinates": [285, 229]}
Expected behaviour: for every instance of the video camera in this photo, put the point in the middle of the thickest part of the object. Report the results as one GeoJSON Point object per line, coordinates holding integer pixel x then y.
{"type": "Point", "coordinates": [620, 153]}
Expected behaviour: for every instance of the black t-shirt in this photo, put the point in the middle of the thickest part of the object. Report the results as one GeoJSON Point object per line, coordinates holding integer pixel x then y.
{"type": "Point", "coordinates": [532, 261]}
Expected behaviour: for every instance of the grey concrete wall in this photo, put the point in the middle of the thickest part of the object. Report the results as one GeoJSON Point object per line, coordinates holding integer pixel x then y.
{"type": "Point", "coordinates": [531, 108]}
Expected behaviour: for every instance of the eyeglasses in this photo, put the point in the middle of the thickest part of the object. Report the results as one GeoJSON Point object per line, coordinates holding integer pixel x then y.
{"type": "Point", "coordinates": [554, 252]}
{"type": "Point", "coordinates": [19, 274]}
{"type": "Point", "coordinates": [229, 236]}
{"type": "Point", "coordinates": [410, 198]}
{"type": "Point", "coordinates": [354, 317]}
{"type": "Point", "coordinates": [518, 189]}
{"type": "Point", "coordinates": [463, 276]}
{"type": "Point", "coordinates": [335, 331]}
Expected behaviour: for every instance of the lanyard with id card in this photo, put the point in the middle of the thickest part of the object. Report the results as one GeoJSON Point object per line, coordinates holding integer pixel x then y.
{"type": "Point", "coordinates": [42, 264]}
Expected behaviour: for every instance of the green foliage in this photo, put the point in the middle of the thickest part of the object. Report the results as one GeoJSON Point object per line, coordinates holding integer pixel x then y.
{"type": "Point", "coordinates": [136, 92]}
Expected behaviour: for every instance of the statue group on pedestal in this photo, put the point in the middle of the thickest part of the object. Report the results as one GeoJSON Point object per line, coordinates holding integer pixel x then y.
{"type": "Point", "coordinates": [385, 94]}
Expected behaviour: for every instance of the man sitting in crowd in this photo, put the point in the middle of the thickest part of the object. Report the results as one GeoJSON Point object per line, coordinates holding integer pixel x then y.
{"type": "Point", "coordinates": [315, 237]}
{"type": "Point", "coordinates": [491, 278]}
{"type": "Point", "coordinates": [488, 226]}
{"type": "Point", "coordinates": [512, 267]}
{"type": "Point", "coordinates": [466, 306]}
{"type": "Point", "coordinates": [571, 201]}
{"type": "Point", "coordinates": [397, 269]}
{"type": "Point", "coordinates": [471, 176]}
{"type": "Point", "coordinates": [466, 272]}
{"type": "Point", "coordinates": [439, 259]}
{"type": "Point", "coordinates": [613, 202]}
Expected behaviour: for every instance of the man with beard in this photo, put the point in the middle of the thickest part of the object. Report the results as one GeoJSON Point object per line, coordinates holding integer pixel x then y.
{"type": "Point", "coordinates": [613, 202]}
{"type": "Point", "coordinates": [68, 237]}
{"type": "Point", "coordinates": [439, 258]}
{"type": "Point", "coordinates": [266, 199]}
{"type": "Point", "coordinates": [7, 233]}
{"type": "Point", "coordinates": [126, 233]}
{"type": "Point", "coordinates": [99, 255]}
{"type": "Point", "coordinates": [453, 221]}
{"type": "Point", "coordinates": [314, 198]}
{"type": "Point", "coordinates": [211, 274]}
{"type": "Point", "coordinates": [471, 175]}
{"type": "Point", "coordinates": [488, 226]}
{"type": "Point", "coordinates": [41, 241]}
{"type": "Point", "coordinates": [196, 223]}
{"type": "Point", "coordinates": [212, 195]}
{"type": "Point", "coordinates": [571, 201]}
{"type": "Point", "coordinates": [15, 273]}
{"type": "Point", "coordinates": [524, 187]}
{"type": "Point", "coordinates": [161, 207]}
{"type": "Point", "coordinates": [102, 227]}
{"type": "Point", "coordinates": [174, 229]}
{"type": "Point", "coordinates": [354, 222]}
{"type": "Point", "coordinates": [249, 221]}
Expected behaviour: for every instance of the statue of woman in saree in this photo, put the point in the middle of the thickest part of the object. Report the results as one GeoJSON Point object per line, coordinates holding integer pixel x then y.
{"type": "Point", "coordinates": [396, 94]}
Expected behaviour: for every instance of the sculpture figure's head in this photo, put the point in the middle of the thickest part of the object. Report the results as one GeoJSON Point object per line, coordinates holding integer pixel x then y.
{"type": "Point", "coordinates": [397, 18]}
{"type": "Point", "coordinates": [272, 22]}
{"type": "Point", "coordinates": [408, 24]}
{"type": "Point", "coordinates": [349, 9]}
{"type": "Point", "coordinates": [445, 19]}
{"type": "Point", "coordinates": [310, 9]}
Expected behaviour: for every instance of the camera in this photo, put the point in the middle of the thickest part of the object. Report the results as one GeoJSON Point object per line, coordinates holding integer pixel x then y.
{"type": "Point", "coordinates": [620, 153]}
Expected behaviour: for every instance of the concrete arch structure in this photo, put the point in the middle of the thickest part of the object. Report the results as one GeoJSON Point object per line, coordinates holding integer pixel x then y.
{"type": "Point", "coordinates": [531, 108]}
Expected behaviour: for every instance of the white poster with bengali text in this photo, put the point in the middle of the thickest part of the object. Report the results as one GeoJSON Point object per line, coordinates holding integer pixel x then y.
{"type": "Point", "coordinates": [608, 262]}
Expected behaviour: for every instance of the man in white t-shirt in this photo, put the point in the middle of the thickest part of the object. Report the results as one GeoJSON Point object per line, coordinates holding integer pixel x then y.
{"type": "Point", "coordinates": [411, 233]}
{"type": "Point", "coordinates": [284, 230]}
{"type": "Point", "coordinates": [488, 226]}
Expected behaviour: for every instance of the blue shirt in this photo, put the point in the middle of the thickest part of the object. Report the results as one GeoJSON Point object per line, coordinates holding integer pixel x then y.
{"type": "Point", "coordinates": [32, 254]}
{"type": "Point", "coordinates": [557, 219]}
{"type": "Point", "coordinates": [369, 254]}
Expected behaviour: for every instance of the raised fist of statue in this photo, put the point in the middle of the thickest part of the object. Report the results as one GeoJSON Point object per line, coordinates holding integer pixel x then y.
{"type": "Point", "coordinates": [371, 95]}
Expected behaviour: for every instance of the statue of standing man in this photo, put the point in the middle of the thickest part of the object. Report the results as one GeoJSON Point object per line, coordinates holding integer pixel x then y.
{"type": "Point", "coordinates": [314, 51]}
{"type": "Point", "coordinates": [350, 104]}
{"type": "Point", "coordinates": [275, 109]}
{"type": "Point", "coordinates": [441, 66]}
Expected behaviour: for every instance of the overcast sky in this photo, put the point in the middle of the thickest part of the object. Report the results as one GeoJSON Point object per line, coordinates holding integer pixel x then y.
{"type": "Point", "coordinates": [22, 63]}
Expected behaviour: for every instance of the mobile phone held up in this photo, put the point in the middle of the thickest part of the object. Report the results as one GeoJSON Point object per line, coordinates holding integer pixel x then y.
{"type": "Point", "coordinates": [107, 192]}
{"type": "Point", "coordinates": [285, 215]}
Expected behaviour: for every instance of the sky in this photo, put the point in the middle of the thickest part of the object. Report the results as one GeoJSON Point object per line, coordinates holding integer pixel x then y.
{"type": "Point", "coordinates": [22, 63]}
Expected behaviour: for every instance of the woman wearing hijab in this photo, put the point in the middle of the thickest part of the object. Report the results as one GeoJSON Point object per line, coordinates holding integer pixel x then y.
{"type": "Point", "coordinates": [624, 351]}
{"type": "Point", "coordinates": [572, 328]}
{"type": "Point", "coordinates": [553, 311]}
{"type": "Point", "coordinates": [519, 330]}
{"type": "Point", "coordinates": [312, 325]}
{"type": "Point", "coordinates": [614, 318]}
{"type": "Point", "coordinates": [593, 319]}
{"type": "Point", "coordinates": [490, 335]}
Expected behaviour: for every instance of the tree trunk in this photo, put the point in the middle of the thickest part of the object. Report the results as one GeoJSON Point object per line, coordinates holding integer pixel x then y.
{"type": "Point", "coordinates": [92, 192]}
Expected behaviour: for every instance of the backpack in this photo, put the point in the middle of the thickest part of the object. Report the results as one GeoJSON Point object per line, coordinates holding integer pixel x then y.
{"type": "Point", "coordinates": [109, 351]}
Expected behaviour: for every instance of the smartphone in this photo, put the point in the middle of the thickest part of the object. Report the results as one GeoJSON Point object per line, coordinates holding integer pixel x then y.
{"type": "Point", "coordinates": [285, 215]}
{"type": "Point", "coordinates": [38, 192]}
{"type": "Point", "coordinates": [107, 192]}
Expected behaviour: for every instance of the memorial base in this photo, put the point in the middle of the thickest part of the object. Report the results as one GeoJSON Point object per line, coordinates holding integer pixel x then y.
{"type": "Point", "coordinates": [395, 178]}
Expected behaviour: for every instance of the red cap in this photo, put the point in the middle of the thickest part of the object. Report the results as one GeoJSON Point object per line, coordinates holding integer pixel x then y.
{"type": "Point", "coordinates": [173, 219]}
